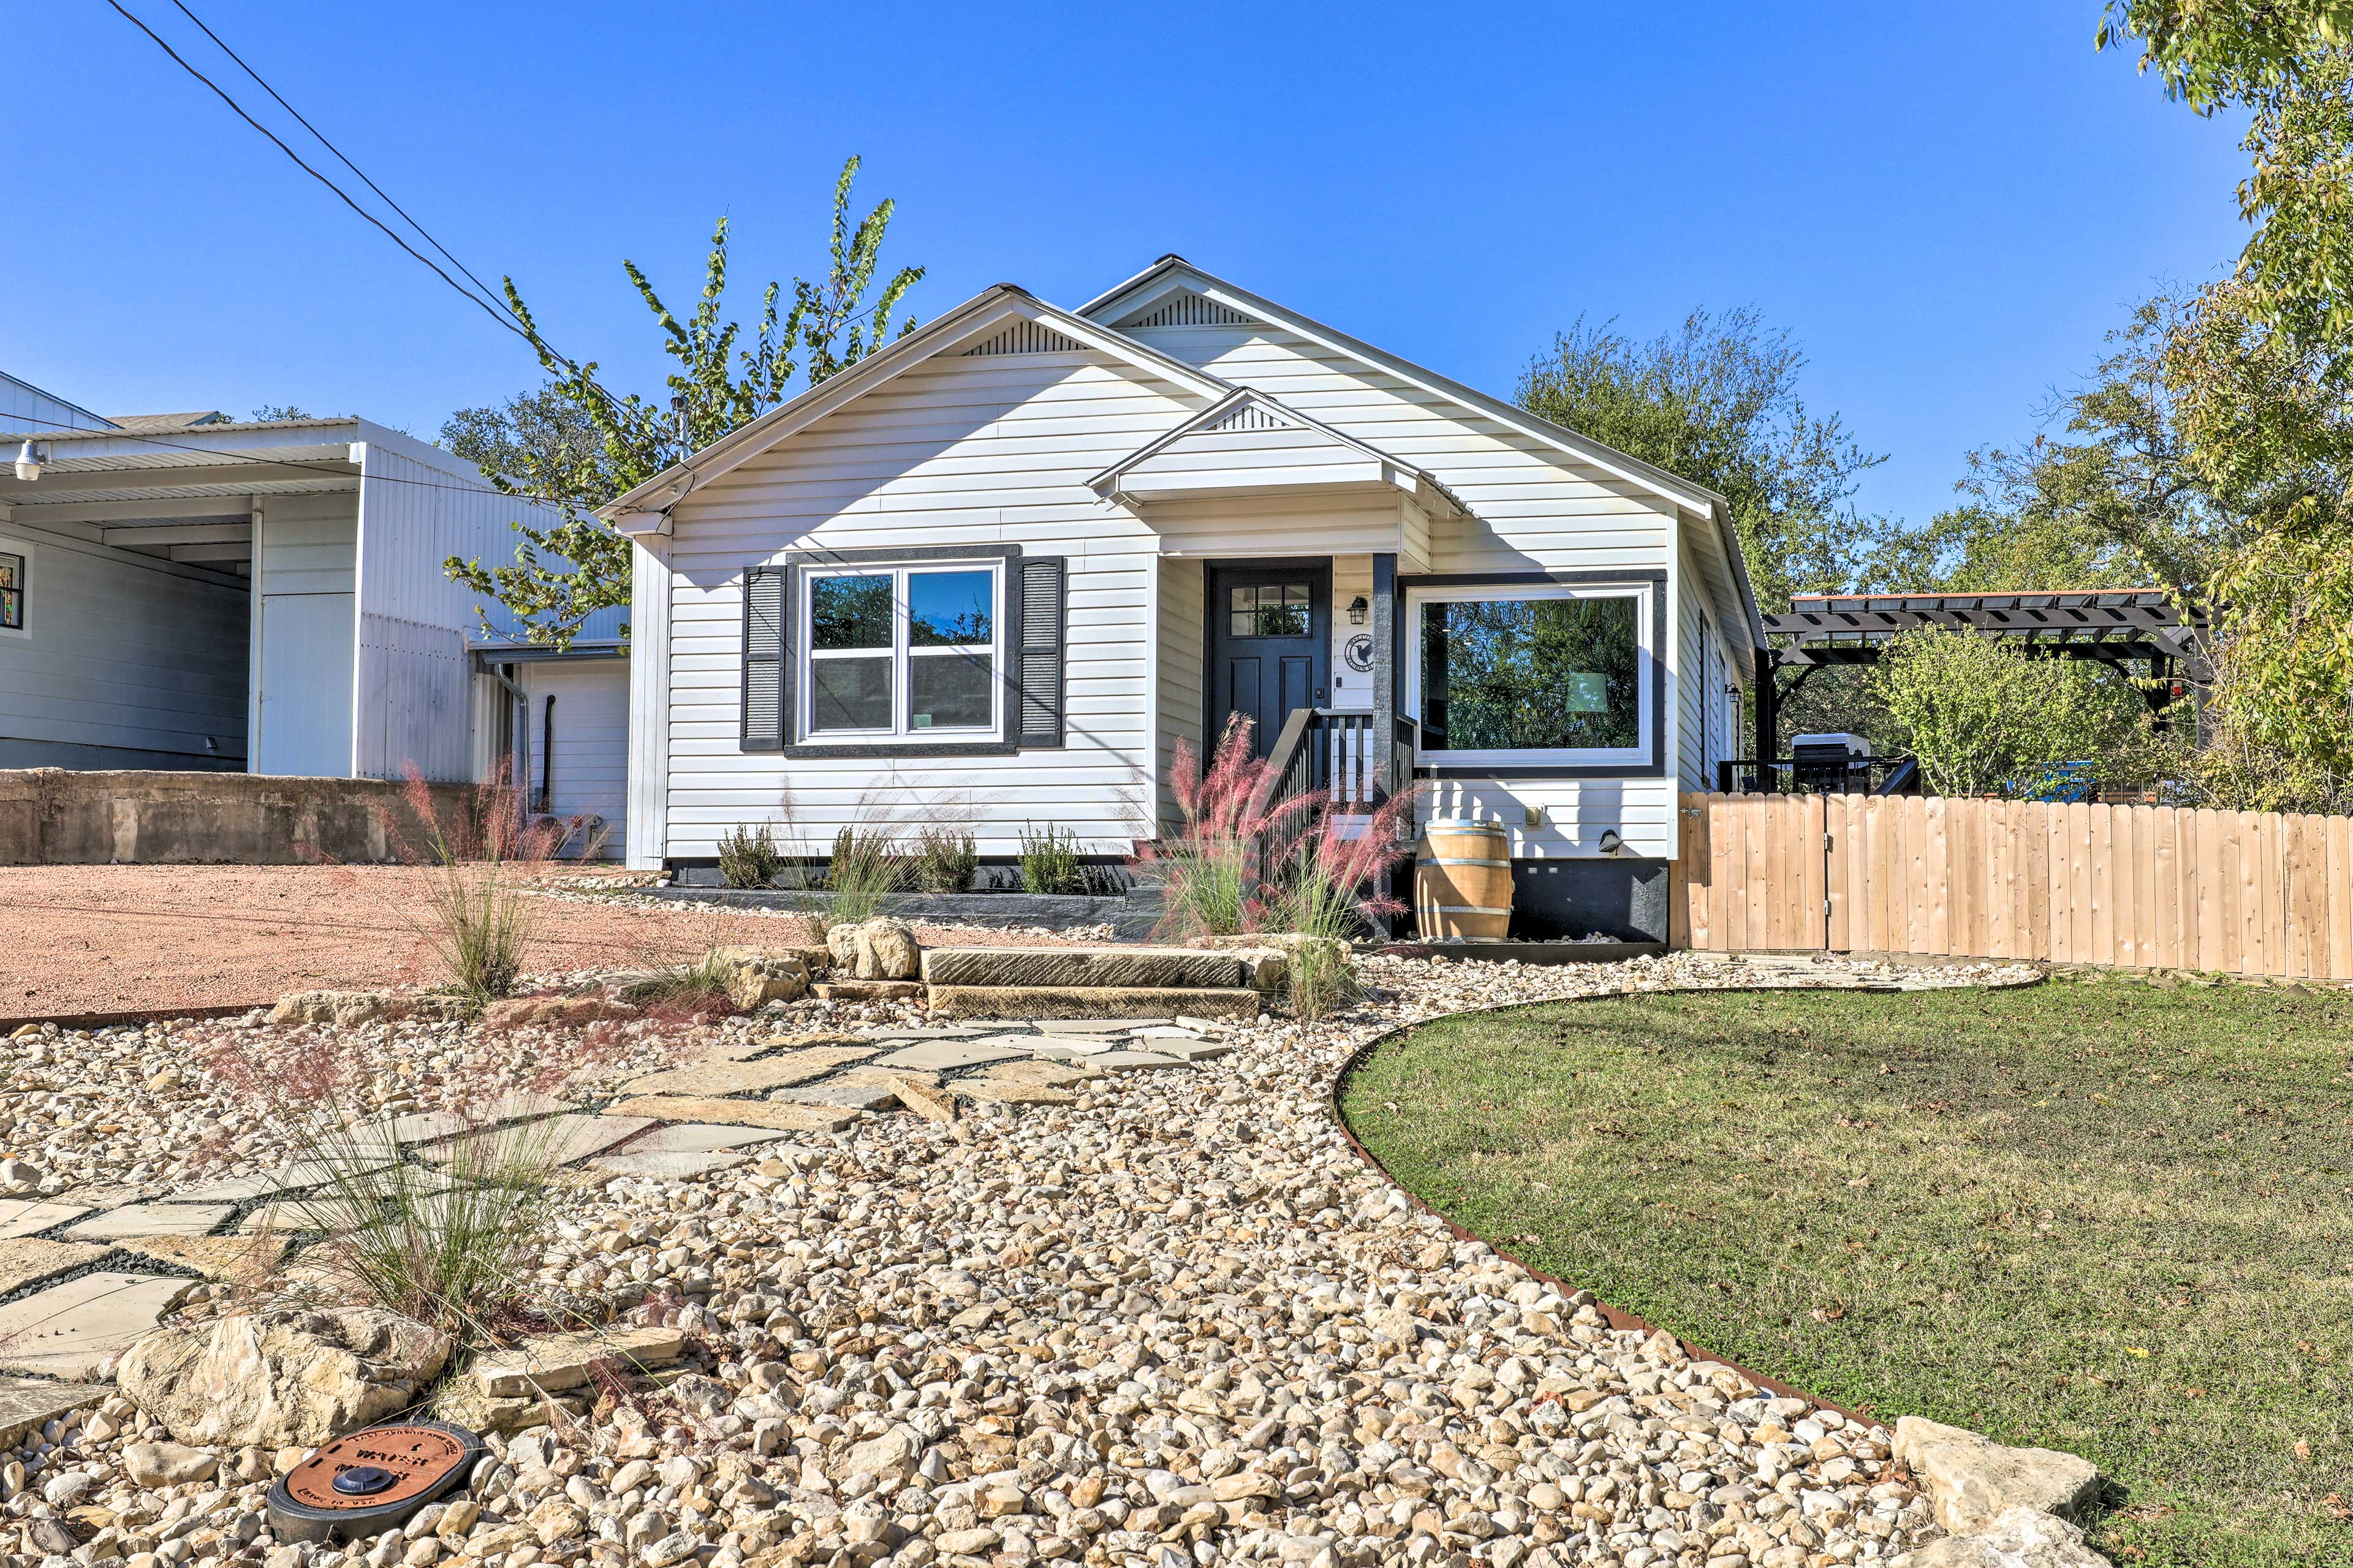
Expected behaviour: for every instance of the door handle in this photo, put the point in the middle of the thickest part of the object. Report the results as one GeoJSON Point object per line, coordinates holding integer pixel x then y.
{"type": "Point", "coordinates": [1319, 692]}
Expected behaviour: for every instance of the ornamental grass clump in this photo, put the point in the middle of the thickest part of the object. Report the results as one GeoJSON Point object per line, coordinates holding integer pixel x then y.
{"type": "Point", "coordinates": [1209, 868]}
{"type": "Point", "coordinates": [946, 859]}
{"type": "Point", "coordinates": [480, 853]}
{"type": "Point", "coordinates": [1330, 885]}
{"type": "Point", "coordinates": [869, 869]}
{"type": "Point", "coordinates": [440, 1214]}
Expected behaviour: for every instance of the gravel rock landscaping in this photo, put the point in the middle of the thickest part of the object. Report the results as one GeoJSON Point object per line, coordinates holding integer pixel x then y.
{"type": "Point", "coordinates": [980, 1295]}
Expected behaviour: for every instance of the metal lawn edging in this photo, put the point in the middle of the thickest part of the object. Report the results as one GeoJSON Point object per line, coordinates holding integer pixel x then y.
{"type": "Point", "coordinates": [1613, 1317]}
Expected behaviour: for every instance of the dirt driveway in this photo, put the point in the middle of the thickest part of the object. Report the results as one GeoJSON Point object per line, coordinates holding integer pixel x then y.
{"type": "Point", "coordinates": [103, 939]}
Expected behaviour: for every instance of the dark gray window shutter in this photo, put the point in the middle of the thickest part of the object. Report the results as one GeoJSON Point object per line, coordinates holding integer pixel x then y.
{"type": "Point", "coordinates": [763, 659]}
{"type": "Point", "coordinates": [1042, 621]}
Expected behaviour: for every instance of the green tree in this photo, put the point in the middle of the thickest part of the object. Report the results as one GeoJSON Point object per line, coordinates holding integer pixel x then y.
{"type": "Point", "coordinates": [574, 444]}
{"type": "Point", "coordinates": [1986, 716]}
{"type": "Point", "coordinates": [1716, 402]}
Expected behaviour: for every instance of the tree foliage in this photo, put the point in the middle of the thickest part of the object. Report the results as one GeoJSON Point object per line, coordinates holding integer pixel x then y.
{"type": "Point", "coordinates": [1716, 403]}
{"type": "Point", "coordinates": [1986, 716]}
{"type": "Point", "coordinates": [574, 443]}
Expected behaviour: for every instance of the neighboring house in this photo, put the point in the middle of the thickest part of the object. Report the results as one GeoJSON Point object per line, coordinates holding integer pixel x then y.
{"type": "Point", "coordinates": [992, 574]}
{"type": "Point", "coordinates": [565, 726]}
{"type": "Point", "coordinates": [194, 591]}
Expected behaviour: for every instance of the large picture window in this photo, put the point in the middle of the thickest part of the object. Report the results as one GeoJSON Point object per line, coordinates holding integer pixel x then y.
{"type": "Point", "coordinates": [901, 651]}
{"type": "Point", "coordinates": [1531, 674]}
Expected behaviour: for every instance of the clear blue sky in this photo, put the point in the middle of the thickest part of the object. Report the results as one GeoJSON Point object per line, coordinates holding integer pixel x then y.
{"type": "Point", "coordinates": [1946, 205]}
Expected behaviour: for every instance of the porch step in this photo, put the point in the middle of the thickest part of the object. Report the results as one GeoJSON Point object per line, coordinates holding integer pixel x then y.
{"type": "Point", "coordinates": [1081, 966]}
{"type": "Point", "coordinates": [1093, 1001]}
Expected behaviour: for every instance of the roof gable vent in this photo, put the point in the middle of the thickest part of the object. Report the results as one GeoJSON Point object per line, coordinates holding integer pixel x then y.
{"type": "Point", "coordinates": [1251, 416]}
{"type": "Point", "coordinates": [1186, 308]}
{"type": "Point", "coordinates": [1025, 338]}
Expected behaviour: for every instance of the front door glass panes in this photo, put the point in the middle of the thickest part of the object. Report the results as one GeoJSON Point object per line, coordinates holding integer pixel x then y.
{"type": "Point", "coordinates": [1531, 674]}
{"type": "Point", "coordinates": [1268, 610]}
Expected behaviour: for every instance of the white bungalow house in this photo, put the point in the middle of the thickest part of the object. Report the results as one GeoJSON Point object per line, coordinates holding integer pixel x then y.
{"type": "Point", "coordinates": [192, 592]}
{"type": "Point", "coordinates": [992, 574]}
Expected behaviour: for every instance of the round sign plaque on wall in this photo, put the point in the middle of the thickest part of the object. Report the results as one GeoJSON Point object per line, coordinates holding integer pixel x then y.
{"type": "Point", "coordinates": [364, 1483]}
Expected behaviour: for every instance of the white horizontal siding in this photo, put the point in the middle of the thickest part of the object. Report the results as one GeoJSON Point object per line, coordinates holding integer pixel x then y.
{"type": "Point", "coordinates": [590, 773]}
{"type": "Point", "coordinates": [958, 450]}
{"type": "Point", "coordinates": [1534, 508]}
{"type": "Point", "coordinates": [1184, 610]}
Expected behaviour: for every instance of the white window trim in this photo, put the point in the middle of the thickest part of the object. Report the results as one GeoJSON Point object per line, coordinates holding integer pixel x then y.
{"type": "Point", "coordinates": [12, 545]}
{"type": "Point", "coordinates": [1539, 756]}
{"type": "Point", "coordinates": [901, 653]}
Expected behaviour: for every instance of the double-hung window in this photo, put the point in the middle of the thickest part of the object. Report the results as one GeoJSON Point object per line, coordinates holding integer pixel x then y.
{"type": "Point", "coordinates": [1531, 674]}
{"type": "Point", "coordinates": [901, 652]}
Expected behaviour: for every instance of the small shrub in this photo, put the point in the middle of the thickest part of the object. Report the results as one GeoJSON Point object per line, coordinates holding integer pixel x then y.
{"type": "Point", "coordinates": [1049, 860]}
{"type": "Point", "coordinates": [749, 858]}
{"type": "Point", "coordinates": [946, 859]}
{"type": "Point", "coordinates": [869, 869]}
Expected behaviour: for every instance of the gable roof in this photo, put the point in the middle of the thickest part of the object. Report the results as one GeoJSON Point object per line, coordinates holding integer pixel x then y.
{"type": "Point", "coordinates": [1172, 273]}
{"type": "Point", "coordinates": [1246, 408]}
{"type": "Point", "coordinates": [997, 310]}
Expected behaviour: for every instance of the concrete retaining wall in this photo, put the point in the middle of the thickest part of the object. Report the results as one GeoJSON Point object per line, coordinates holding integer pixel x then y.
{"type": "Point", "coordinates": [52, 817]}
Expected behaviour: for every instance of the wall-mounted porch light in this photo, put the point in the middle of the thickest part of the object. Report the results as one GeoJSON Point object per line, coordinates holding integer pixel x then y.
{"type": "Point", "coordinates": [29, 458]}
{"type": "Point", "coordinates": [1359, 608]}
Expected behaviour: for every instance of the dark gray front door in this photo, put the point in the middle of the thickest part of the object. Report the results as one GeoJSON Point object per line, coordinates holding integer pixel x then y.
{"type": "Point", "coordinates": [1270, 643]}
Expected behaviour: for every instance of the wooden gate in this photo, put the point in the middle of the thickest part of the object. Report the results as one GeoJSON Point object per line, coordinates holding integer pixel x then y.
{"type": "Point", "coordinates": [2237, 892]}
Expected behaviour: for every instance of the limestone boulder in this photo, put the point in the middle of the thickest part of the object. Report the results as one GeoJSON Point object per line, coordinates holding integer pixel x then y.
{"type": "Point", "coordinates": [168, 1464]}
{"type": "Point", "coordinates": [754, 978]}
{"type": "Point", "coordinates": [1972, 1480]}
{"type": "Point", "coordinates": [878, 949]}
{"type": "Point", "coordinates": [344, 1007]}
{"type": "Point", "coordinates": [2022, 1537]}
{"type": "Point", "coordinates": [553, 1012]}
{"type": "Point", "coordinates": [280, 1378]}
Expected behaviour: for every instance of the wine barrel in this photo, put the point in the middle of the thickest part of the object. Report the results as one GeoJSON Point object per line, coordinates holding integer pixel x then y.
{"type": "Point", "coordinates": [1462, 880]}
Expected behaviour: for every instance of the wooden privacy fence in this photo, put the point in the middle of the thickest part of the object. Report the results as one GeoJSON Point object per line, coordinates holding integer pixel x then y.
{"type": "Point", "coordinates": [2240, 892]}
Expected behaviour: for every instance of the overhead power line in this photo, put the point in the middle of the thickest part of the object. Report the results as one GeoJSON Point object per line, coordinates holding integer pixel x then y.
{"type": "Point", "coordinates": [480, 296]}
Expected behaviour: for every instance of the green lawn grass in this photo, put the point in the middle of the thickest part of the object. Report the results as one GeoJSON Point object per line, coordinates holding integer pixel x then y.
{"type": "Point", "coordinates": [2094, 1215]}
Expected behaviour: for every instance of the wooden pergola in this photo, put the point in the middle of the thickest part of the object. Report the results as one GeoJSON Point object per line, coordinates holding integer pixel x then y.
{"type": "Point", "coordinates": [2121, 627]}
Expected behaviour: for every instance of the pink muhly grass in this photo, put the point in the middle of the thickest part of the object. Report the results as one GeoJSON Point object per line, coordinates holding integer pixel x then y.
{"type": "Point", "coordinates": [1209, 868]}
{"type": "Point", "coordinates": [481, 852]}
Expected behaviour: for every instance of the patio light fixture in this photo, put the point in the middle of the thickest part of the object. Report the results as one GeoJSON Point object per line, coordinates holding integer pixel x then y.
{"type": "Point", "coordinates": [1358, 608]}
{"type": "Point", "coordinates": [29, 458]}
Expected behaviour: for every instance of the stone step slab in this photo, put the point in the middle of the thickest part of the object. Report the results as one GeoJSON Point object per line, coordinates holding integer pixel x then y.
{"type": "Point", "coordinates": [752, 1077]}
{"type": "Point", "coordinates": [339, 1164]}
{"type": "Point", "coordinates": [30, 1404]}
{"type": "Point", "coordinates": [26, 1217]}
{"type": "Point", "coordinates": [952, 1055]}
{"type": "Point", "coordinates": [850, 1096]}
{"type": "Point", "coordinates": [780, 1115]}
{"type": "Point", "coordinates": [1131, 1061]}
{"type": "Point", "coordinates": [240, 1260]}
{"type": "Point", "coordinates": [557, 1140]}
{"type": "Point", "coordinates": [25, 1258]}
{"type": "Point", "coordinates": [1083, 967]}
{"type": "Point", "coordinates": [697, 1138]}
{"type": "Point", "coordinates": [367, 1204]}
{"type": "Point", "coordinates": [71, 1330]}
{"type": "Point", "coordinates": [1105, 1002]}
{"type": "Point", "coordinates": [151, 1219]}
